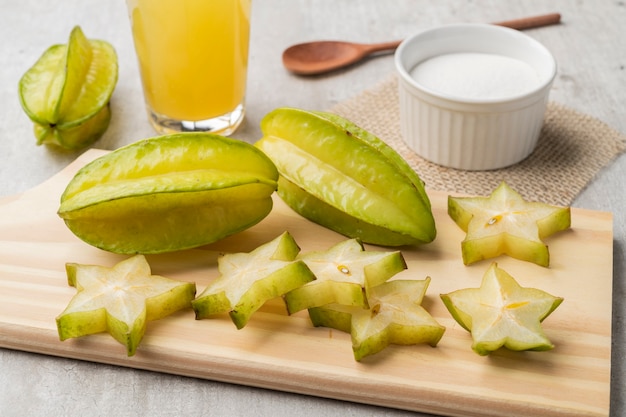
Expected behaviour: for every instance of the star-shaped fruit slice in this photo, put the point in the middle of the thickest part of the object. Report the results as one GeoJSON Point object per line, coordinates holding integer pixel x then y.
{"type": "Point", "coordinates": [342, 273]}
{"type": "Point", "coordinates": [120, 300]}
{"type": "Point", "coordinates": [395, 316]}
{"type": "Point", "coordinates": [504, 223]}
{"type": "Point", "coordinates": [248, 280]}
{"type": "Point", "coordinates": [501, 313]}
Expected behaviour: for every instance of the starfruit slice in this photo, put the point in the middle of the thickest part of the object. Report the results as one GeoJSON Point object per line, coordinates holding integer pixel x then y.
{"type": "Point", "coordinates": [343, 272]}
{"type": "Point", "coordinates": [69, 85]}
{"type": "Point", "coordinates": [120, 300]}
{"type": "Point", "coordinates": [395, 316]}
{"type": "Point", "coordinates": [501, 313]}
{"type": "Point", "coordinates": [340, 176]}
{"type": "Point", "coordinates": [169, 193]}
{"type": "Point", "coordinates": [504, 223]}
{"type": "Point", "coordinates": [248, 280]}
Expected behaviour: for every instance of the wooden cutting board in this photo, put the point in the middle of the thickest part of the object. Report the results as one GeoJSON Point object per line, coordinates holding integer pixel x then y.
{"type": "Point", "coordinates": [287, 353]}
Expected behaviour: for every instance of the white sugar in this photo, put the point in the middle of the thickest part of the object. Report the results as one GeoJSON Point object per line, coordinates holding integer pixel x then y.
{"type": "Point", "coordinates": [476, 75]}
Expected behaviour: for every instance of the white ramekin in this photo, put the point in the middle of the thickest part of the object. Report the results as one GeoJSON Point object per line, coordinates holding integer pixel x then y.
{"type": "Point", "coordinates": [472, 134]}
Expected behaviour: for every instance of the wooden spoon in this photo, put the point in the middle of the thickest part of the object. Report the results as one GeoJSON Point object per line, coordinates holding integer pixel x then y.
{"type": "Point", "coordinates": [323, 56]}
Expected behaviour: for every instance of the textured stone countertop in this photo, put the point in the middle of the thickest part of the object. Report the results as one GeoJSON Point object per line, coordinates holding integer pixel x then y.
{"type": "Point", "coordinates": [588, 46]}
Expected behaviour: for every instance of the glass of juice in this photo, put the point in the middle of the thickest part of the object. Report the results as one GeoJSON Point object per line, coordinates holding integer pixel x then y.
{"type": "Point", "coordinates": [193, 60]}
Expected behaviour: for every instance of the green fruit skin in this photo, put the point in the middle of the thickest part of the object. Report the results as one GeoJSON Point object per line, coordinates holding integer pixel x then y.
{"type": "Point", "coordinates": [342, 177]}
{"type": "Point", "coordinates": [169, 193]}
{"type": "Point", "coordinates": [75, 137]}
{"type": "Point", "coordinates": [324, 292]}
{"type": "Point", "coordinates": [485, 347]}
{"type": "Point", "coordinates": [475, 250]}
{"type": "Point", "coordinates": [397, 335]}
{"type": "Point", "coordinates": [354, 320]}
{"type": "Point", "coordinates": [321, 293]}
{"type": "Point", "coordinates": [211, 304]}
{"type": "Point", "coordinates": [69, 104]}
{"type": "Point", "coordinates": [50, 95]}
{"type": "Point", "coordinates": [337, 317]}
{"type": "Point", "coordinates": [129, 334]}
{"type": "Point", "coordinates": [463, 319]}
{"type": "Point", "coordinates": [292, 275]}
{"type": "Point", "coordinates": [322, 213]}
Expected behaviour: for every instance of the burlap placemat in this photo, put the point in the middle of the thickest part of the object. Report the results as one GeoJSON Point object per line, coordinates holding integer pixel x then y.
{"type": "Point", "coordinates": [572, 148]}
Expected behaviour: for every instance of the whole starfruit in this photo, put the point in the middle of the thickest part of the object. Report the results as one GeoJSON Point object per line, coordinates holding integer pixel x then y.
{"type": "Point", "coordinates": [66, 92]}
{"type": "Point", "coordinates": [344, 178]}
{"type": "Point", "coordinates": [169, 193]}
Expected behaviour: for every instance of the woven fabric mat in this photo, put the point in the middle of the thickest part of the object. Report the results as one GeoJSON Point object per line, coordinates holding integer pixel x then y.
{"type": "Point", "coordinates": [572, 148]}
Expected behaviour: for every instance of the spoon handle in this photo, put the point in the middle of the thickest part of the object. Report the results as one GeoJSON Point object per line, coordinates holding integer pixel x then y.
{"type": "Point", "coordinates": [369, 48]}
{"type": "Point", "coordinates": [531, 22]}
{"type": "Point", "coordinates": [519, 24]}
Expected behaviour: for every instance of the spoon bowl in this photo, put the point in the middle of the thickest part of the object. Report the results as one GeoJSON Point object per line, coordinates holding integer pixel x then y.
{"type": "Point", "coordinates": [318, 57]}
{"type": "Point", "coordinates": [312, 58]}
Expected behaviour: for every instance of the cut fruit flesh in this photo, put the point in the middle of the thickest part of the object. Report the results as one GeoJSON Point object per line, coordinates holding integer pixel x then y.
{"type": "Point", "coordinates": [395, 316]}
{"type": "Point", "coordinates": [501, 313]}
{"type": "Point", "coordinates": [120, 300]}
{"type": "Point", "coordinates": [248, 280]}
{"type": "Point", "coordinates": [504, 223]}
{"type": "Point", "coordinates": [343, 272]}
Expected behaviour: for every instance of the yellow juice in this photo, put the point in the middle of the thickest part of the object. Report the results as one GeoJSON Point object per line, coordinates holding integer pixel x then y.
{"type": "Point", "coordinates": [193, 55]}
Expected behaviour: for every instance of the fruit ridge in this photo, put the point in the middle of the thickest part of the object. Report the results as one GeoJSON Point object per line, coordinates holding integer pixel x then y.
{"type": "Point", "coordinates": [120, 300]}
{"type": "Point", "coordinates": [504, 223]}
{"type": "Point", "coordinates": [501, 313]}
{"type": "Point", "coordinates": [169, 193]}
{"type": "Point", "coordinates": [343, 273]}
{"type": "Point", "coordinates": [395, 316]}
{"type": "Point", "coordinates": [66, 93]}
{"type": "Point", "coordinates": [248, 280]}
{"type": "Point", "coordinates": [346, 179]}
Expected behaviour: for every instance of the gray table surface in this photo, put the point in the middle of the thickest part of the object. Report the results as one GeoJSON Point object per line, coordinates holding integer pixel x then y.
{"type": "Point", "coordinates": [588, 45]}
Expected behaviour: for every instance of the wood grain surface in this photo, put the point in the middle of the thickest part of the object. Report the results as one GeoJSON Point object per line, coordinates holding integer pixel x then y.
{"type": "Point", "coordinates": [286, 353]}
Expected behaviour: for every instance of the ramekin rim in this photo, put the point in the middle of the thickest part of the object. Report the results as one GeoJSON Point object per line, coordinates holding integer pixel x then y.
{"type": "Point", "coordinates": [539, 89]}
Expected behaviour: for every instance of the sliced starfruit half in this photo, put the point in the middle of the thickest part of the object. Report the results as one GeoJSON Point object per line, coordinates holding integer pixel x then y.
{"type": "Point", "coordinates": [343, 272]}
{"type": "Point", "coordinates": [501, 313]}
{"type": "Point", "coordinates": [69, 86]}
{"type": "Point", "coordinates": [338, 175]}
{"type": "Point", "coordinates": [504, 223]}
{"type": "Point", "coordinates": [248, 280]}
{"type": "Point", "coordinates": [169, 193]}
{"type": "Point", "coordinates": [120, 300]}
{"type": "Point", "coordinates": [395, 316]}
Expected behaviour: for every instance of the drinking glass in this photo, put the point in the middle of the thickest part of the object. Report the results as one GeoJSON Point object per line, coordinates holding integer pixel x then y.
{"type": "Point", "coordinates": [193, 60]}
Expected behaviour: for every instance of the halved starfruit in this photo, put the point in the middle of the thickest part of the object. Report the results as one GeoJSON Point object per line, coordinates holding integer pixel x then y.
{"type": "Point", "coordinates": [66, 93]}
{"type": "Point", "coordinates": [343, 272]}
{"type": "Point", "coordinates": [340, 176]}
{"type": "Point", "coordinates": [248, 280]}
{"type": "Point", "coordinates": [169, 193]}
{"type": "Point", "coordinates": [120, 300]}
{"type": "Point", "coordinates": [395, 316]}
{"type": "Point", "coordinates": [501, 313]}
{"type": "Point", "coordinates": [504, 223]}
